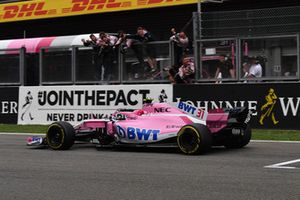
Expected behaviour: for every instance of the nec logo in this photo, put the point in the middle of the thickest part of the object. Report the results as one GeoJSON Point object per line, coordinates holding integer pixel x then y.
{"type": "Point", "coordinates": [161, 110]}
{"type": "Point", "coordinates": [27, 10]}
{"type": "Point", "coordinates": [82, 5]}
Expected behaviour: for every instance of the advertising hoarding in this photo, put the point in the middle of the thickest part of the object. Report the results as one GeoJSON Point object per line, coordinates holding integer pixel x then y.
{"type": "Point", "coordinates": [46, 104]}
{"type": "Point", "coordinates": [39, 9]}
{"type": "Point", "coordinates": [274, 106]}
{"type": "Point", "coordinates": [9, 105]}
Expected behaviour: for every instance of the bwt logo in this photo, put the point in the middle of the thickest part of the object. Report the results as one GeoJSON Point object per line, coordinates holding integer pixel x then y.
{"type": "Point", "coordinates": [197, 112]}
{"type": "Point", "coordinates": [27, 10]}
{"type": "Point", "coordinates": [82, 5]}
{"type": "Point", "coordinates": [137, 133]}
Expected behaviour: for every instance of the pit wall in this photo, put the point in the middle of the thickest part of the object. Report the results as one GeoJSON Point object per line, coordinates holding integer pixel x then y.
{"type": "Point", "coordinates": [274, 105]}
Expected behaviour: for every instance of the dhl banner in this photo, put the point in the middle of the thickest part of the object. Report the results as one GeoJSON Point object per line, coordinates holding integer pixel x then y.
{"type": "Point", "coordinates": [39, 9]}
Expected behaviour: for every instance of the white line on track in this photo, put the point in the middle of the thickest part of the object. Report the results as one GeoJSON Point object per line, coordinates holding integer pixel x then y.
{"type": "Point", "coordinates": [283, 165]}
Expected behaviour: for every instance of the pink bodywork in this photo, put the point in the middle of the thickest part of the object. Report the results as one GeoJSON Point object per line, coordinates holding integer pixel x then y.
{"type": "Point", "coordinates": [161, 116]}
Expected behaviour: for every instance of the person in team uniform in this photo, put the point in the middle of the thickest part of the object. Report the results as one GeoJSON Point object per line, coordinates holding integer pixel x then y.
{"type": "Point", "coordinates": [93, 42]}
{"type": "Point", "coordinates": [181, 42]}
{"type": "Point", "coordinates": [106, 54]}
{"type": "Point", "coordinates": [142, 37]}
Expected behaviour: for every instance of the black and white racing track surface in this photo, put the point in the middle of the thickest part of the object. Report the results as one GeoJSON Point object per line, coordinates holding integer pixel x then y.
{"type": "Point", "coordinates": [262, 170]}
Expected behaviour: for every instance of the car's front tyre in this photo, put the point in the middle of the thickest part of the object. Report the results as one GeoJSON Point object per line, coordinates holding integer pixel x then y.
{"type": "Point", "coordinates": [60, 136]}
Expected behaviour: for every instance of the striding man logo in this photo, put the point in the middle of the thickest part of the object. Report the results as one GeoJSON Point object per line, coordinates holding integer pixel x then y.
{"type": "Point", "coordinates": [268, 108]}
{"type": "Point", "coordinates": [26, 106]}
{"type": "Point", "coordinates": [162, 96]}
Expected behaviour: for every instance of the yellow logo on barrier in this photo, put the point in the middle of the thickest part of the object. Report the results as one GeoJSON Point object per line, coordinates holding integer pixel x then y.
{"type": "Point", "coordinates": [48, 8]}
{"type": "Point", "coordinates": [268, 108]}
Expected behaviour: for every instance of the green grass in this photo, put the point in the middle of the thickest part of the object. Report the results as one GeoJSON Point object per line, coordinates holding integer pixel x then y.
{"type": "Point", "coordinates": [11, 128]}
{"type": "Point", "coordinates": [257, 134]}
{"type": "Point", "coordinates": [285, 135]}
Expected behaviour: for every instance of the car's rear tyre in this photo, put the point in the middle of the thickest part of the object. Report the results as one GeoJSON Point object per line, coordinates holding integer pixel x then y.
{"type": "Point", "coordinates": [60, 136]}
{"type": "Point", "coordinates": [239, 141]}
{"type": "Point", "coordinates": [194, 139]}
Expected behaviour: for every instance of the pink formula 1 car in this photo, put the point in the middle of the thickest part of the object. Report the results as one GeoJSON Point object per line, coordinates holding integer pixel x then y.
{"type": "Point", "coordinates": [193, 130]}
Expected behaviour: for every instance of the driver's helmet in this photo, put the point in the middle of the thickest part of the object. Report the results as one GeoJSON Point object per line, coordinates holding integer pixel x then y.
{"type": "Point", "coordinates": [147, 100]}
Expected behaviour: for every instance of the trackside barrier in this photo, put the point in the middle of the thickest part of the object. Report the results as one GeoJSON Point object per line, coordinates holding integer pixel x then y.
{"type": "Point", "coordinates": [12, 65]}
{"type": "Point", "coordinates": [278, 57]}
{"type": "Point", "coordinates": [221, 60]}
{"type": "Point", "coordinates": [80, 65]}
{"type": "Point", "coordinates": [9, 98]}
{"type": "Point", "coordinates": [274, 105]}
{"type": "Point", "coordinates": [46, 104]}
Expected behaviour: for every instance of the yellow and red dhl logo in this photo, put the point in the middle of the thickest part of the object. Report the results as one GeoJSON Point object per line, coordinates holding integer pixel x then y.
{"type": "Point", "coordinates": [150, 2]}
{"type": "Point", "coordinates": [81, 5]}
{"type": "Point", "coordinates": [26, 10]}
{"type": "Point", "coordinates": [47, 8]}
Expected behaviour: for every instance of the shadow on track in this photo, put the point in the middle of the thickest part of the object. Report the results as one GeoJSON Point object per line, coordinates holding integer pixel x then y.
{"type": "Point", "coordinates": [170, 150]}
{"type": "Point", "coordinates": [219, 150]}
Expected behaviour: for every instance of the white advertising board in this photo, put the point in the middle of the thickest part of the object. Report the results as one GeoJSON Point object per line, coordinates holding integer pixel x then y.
{"type": "Point", "coordinates": [46, 104]}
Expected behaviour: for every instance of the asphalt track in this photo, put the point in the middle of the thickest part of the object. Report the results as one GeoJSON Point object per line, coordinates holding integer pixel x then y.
{"type": "Point", "coordinates": [87, 173]}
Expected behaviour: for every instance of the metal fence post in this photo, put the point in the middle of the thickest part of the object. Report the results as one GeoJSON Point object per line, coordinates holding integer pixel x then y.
{"type": "Point", "coordinates": [73, 64]}
{"type": "Point", "coordinates": [238, 59]}
{"type": "Point", "coordinates": [298, 57]}
{"type": "Point", "coordinates": [171, 51]}
{"type": "Point", "coordinates": [22, 65]}
{"type": "Point", "coordinates": [41, 65]}
{"type": "Point", "coordinates": [120, 65]}
{"type": "Point", "coordinates": [196, 40]}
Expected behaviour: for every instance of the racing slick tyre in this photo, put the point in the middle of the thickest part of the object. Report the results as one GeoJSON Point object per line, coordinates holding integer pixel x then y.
{"type": "Point", "coordinates": [60, 136]}
{"type": "Point", "coordinates": [239, 141]}
{"type": "Point", "coordinates": [194, 139]}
